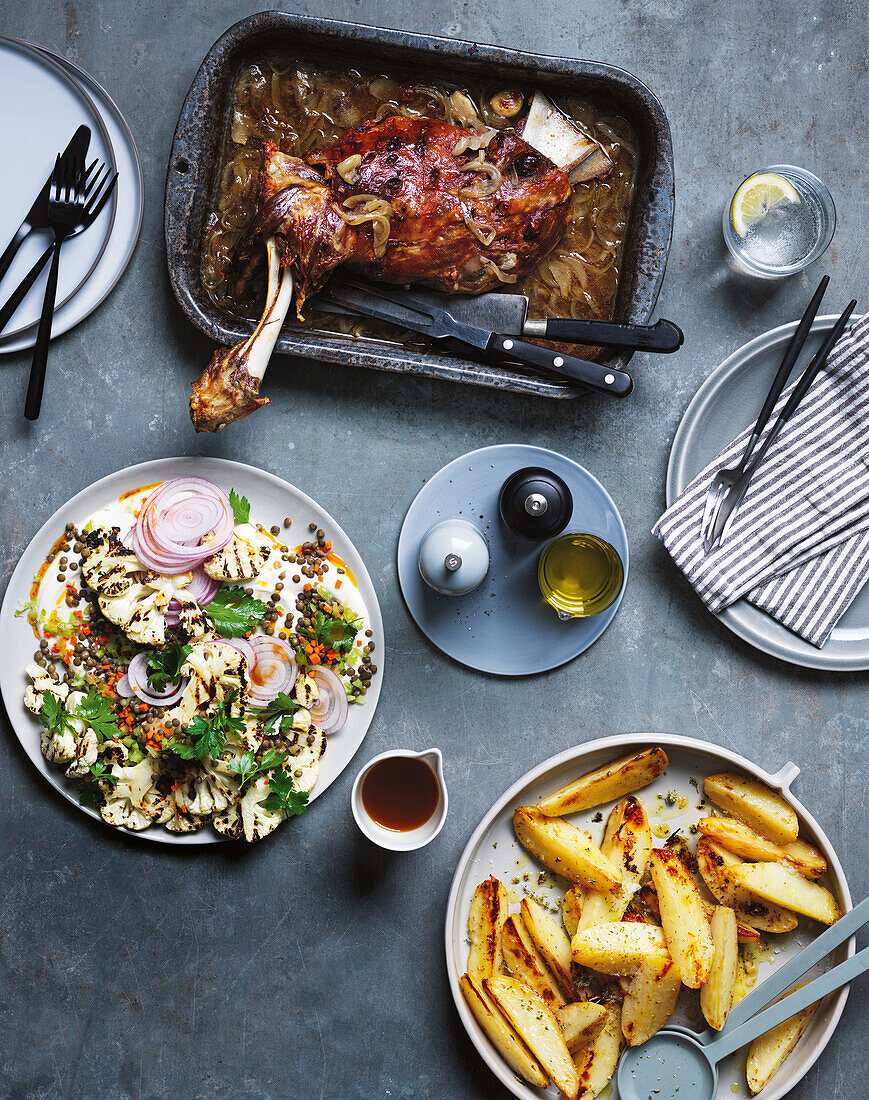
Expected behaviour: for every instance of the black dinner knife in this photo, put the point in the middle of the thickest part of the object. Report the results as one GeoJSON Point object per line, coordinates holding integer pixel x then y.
{"type": "Point", "coordinates": [422, 314]}
{"type": "Point", "coordinates": [37, 216]}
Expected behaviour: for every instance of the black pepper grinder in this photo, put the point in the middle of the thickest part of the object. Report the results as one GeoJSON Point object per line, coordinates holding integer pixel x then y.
{"type": "Point", "coordinates": [535, 503]}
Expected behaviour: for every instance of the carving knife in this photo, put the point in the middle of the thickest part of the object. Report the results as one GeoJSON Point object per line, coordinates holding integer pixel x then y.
{"type": "Point", "coordinates": [427, 315]}
{"type": "Point", "coordinates": [508, 314]}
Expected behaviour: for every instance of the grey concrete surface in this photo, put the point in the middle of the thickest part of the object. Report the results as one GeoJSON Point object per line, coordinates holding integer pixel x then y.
{"type": "Point", "coordinates": [312, 966]}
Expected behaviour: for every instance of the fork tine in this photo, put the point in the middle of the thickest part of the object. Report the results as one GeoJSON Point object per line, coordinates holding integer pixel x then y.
{"type": "Point", "coordinates": [97, 181]}
{"type": "Point", "coordinates": [710, 513]}
{"type": "Point", "coordinates": [55, 179]}
{"type": "Point", "coordinates": [99, 200]}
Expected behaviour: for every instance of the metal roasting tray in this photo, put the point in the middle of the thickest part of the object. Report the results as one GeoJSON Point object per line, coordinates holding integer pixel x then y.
{"type": "Point", "coordinates": [203, 122]}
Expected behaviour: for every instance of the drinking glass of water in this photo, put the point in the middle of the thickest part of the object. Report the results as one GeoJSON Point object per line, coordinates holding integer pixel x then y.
{"type": "Point", "coordinates": [780, 220]}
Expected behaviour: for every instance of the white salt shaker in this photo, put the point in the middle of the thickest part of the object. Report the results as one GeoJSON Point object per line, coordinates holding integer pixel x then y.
{"type": "Point", "coordinates": [453, 557]}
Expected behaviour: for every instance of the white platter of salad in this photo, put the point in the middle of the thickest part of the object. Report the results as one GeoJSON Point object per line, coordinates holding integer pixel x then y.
{"type": "Point", "coordinates": [194, 651]}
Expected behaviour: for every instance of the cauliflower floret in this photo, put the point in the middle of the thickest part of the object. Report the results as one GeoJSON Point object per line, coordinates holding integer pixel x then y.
{"type": "Point", "coordinates": [248, 819]}
{"type": "Point", "coordinates": [134, 802]}
{"type": "Point", "coordinates": [213, 668]}
{"type": "Point", "coordinates": [114, 752]}
{"type": "Point", "coordinates": [108, 566]}
{"type": "Point", "coordinates": [140, 610]}
{"type": "Point", "coordinates": [244, 556]}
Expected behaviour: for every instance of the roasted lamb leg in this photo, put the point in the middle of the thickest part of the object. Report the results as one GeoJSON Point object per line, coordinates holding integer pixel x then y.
{"type": "Point", "coordinates": [405, 200]}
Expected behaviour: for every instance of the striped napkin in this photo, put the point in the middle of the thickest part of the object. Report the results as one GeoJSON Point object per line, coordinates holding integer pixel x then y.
{"type": "Point", "coordinates": [798, 546]}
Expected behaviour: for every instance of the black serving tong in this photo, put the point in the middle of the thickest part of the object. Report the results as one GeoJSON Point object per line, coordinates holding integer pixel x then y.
{"type": "Point", "coordinates": [735, 494]}
{"type": "Point", "coordinates": [439, 321]}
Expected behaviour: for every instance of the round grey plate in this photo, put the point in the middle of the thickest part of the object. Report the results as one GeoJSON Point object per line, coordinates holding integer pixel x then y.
{"type": "Point", "coordinates": [727, 401]}
{"type": "Point", "coordinates": [504, 626]}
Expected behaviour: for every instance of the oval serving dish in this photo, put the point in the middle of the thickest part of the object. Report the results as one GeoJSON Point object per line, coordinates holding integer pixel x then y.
{"type": "Point", "coordinates": [201, 128]}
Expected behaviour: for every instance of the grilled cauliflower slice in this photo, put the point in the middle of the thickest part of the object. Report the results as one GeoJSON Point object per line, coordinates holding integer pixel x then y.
{"type": "Point", "coordinates": [248, 819]}
{"type": "Point", "coordinates": [42, 682]}
{"type": "Point", "coordinates": [244, 556]}
{"type": "Point", "coordinates": [134, 802]}
{"type": "Point", "coordinates": [140, 610]}
{"type": "Point", "coordinates": [86, 742]}
{"type": "Point", "coordinates": [175, 814]}
{"type": "Point", "coordinates": [306, 691]}
{"type": "Point", "coordinates": [108, 566]}
{"type": "Point", "coordinates": [305, 746]}
{"type": "Point", "coordinates": [58, 747]}
{"type": "Point", "coordinates": [213, 668]}
{"type": "Point", "coordinates": [210, 791]}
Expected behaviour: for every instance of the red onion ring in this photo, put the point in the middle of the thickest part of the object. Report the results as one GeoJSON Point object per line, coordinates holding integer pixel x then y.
{"type": "Point", "coordinates": [137, 677]}
{"type": "Point", "coordinates": [332, 708]}
{"type": "Point", "coordinates": [175, 519]}
{"type": "Point", "coordinates": [124, 688]}
{"type": "Point", "coordinates": [202, 588]}
{"type": "Point", "coordinates": [274, 669]}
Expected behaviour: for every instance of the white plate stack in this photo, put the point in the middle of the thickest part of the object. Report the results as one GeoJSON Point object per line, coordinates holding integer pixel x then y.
{"type": "Point", "coordinates": [46, 98]}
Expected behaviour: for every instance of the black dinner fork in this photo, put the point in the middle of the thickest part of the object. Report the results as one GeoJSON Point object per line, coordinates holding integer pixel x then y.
{"type": "Point", "coordinates": [67, 201]}
{"type": "Point", "coordinates": [100, 182]}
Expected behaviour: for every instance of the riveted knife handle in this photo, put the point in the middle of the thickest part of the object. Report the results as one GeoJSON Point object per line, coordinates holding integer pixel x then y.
{"type": "Point", "coordinates": [663, 336]}
{"type": "Point", "coordinates": [597, 376]}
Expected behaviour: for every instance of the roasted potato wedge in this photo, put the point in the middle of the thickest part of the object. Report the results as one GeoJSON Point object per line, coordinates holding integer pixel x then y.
{"type": "Point", "coordinates": [571, 909]}
{"type": "Point", "coordinates": [768, 1051]}
{"type": "Point", "coordinates": [716, 867]}
{"type": "Point", "coordinates": [608, 783]}
{"type": "Point", "coordinates": [502, 1034]}
{"type": "Point", "coordinates": [564, 849]}
{"type": "Point", "coordinates": [716, 997]}
{"type": "Point", "coordinates": [597, 1063]}
{"type": "Point", "coordinates": [646, 902]}
{"type": "Point", "coordinates": [627, 843]}
{"type": "Point", "coordinates": [683, 917]}
{"type": "Point", "coordinates": [533, 1019]}
{"type": "Point", "coordinates": [745, 842]}
{"type": "Point", "coordinates": [552, 943]}
{"type": "Point", "coordinates": [650, 999]}
{"type": "Point", "coordinates": [754, 803]}
{"type": "Point", "coordinates": [618, 947]}
{"type": "Point", "coordinates": [780, 885]}
{"type": "Point", "coordinates": [523, 961]}
{"type": "Point", "coordinates": [489, 909]}
{"type": "Point", "coordinates": [581, 1022]}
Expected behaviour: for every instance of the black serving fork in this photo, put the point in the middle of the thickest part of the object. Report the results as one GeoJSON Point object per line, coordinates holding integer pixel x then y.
{"type": "Point", "coordinates": [99, 184]}
{"type": "Point", "coordinates": [733, 498]}
{"type": "Point", "coordinates": [727, 477]}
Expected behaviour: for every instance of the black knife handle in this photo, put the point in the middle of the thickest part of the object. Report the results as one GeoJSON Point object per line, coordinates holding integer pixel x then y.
{"type": "Point", "coordinates": [11, 248]}
{"type": "Point", "coordinates": [10, 306]}
{"type": "Point", "coordinates": [36, 384]}
{"type": "Point", "coordinates": [662, 336]}
{"type": "Point", "coordinates": [596, 376]}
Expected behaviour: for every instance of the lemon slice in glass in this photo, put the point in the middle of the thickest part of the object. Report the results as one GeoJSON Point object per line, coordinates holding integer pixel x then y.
{"type": "Point", "coordinates": [757, 196]}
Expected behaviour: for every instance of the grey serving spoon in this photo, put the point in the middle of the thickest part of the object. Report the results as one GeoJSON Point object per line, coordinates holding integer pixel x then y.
{"type": "Point", "coordinates": [677, 1064]}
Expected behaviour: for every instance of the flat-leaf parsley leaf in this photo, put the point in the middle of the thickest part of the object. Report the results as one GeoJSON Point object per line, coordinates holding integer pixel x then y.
{"type": "Point", "coordinates": [283, 796]}
{"type": "Point", "coordinates": [240, 507]}
{"type": "Point", "coordinates": [234, 613]}
{"type": "Point", "coordinates": [98, 712]}
{"type": "Point", "coordinates": [164, 666]}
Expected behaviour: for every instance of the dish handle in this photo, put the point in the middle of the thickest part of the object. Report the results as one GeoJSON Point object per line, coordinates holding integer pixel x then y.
{"type": "Point", "coordinates": [785, 776]}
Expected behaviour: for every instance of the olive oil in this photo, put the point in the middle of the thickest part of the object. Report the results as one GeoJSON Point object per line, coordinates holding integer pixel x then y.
{"type": "Point", "coordinates": [580, 575]}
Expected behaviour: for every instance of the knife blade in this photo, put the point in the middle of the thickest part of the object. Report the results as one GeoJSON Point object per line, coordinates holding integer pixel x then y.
{"type": "Point", "coordinates": [508, 314]}
{"type": "Point", "coordinates": [37, 215]}
{"type": "Point", "coordinates": [417, 312]}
